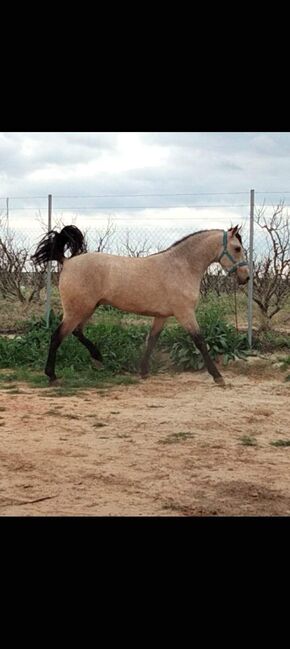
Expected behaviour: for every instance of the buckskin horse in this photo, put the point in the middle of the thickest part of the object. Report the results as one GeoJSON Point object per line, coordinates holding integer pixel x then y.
{"type": "Point", "coordinates": [162, 284]}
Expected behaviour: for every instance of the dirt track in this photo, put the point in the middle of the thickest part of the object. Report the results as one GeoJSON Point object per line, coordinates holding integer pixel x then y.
{"type": "Point", "coordinates": [167, 446]}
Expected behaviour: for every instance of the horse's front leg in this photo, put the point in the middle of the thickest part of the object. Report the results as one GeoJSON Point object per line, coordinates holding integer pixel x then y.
{"type": "Point", "coordinates": [189, 322]}
{"type": "Point", "coordinates": [153, 336]}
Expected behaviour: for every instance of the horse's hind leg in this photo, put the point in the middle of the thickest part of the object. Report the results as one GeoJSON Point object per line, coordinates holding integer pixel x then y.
{"type": "Point", "coordinates": [55, 341]}
{"type": "Point", "coordinates": [189, 323]}
{"type": "Point", "coordinates": [158, 324]}
{"type": "Point", "coordinates": [64, 329]}
{"type": "Point", "coordinates": [94, 352]}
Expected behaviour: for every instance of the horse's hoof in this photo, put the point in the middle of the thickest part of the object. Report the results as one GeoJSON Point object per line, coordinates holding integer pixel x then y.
{"type": "Point", "coordinates": [220, 382]}
{"type": "Point", "coordinates": [144, 375]}
{"type": "Point", "coordinates": [97, 364]}
{"type": "Point", "coordinates": [53, 382]}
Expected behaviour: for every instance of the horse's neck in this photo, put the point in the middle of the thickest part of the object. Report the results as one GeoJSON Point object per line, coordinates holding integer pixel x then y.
{"type": "Point", "coordinates": [202, 250]}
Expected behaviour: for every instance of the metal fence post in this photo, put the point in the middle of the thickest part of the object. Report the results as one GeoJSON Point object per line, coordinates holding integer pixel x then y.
{"type": "Point", "coordinates": [250, 283]}
{"type": "Point", "coordinates": [7, 214]}
{"type": "Point", "coordinates": [48, 281]}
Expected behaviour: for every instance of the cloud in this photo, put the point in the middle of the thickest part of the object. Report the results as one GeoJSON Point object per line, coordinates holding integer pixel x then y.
{"type": "Point", "coordinates": [125, 168]}
{"type": "Point", "coordinates": [23, 154]}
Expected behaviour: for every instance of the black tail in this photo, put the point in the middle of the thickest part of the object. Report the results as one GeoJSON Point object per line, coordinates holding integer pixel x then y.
{"type": "Point", "coordinates": [52, 247]}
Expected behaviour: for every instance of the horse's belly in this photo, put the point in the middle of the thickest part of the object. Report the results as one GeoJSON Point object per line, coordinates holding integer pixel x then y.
{"type": "Point", "coordinates": [142, 300]}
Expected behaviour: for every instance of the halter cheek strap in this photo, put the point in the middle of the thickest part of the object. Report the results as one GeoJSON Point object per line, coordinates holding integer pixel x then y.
{"type": "Point", "coordinates": [225, 252]}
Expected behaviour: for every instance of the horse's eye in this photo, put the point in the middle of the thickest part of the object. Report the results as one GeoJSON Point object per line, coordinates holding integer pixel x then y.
{"type": "Point", "coordinates": [238, 248]}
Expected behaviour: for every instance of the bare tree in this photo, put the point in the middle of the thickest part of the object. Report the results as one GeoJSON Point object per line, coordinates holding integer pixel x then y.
{"type": "Point", "coordinates": [215, 280]}
{"type": "Point", "coordinates": [136, 248]}
{"type": "Point", "coordinates": [272, 271]}
{"type": "Point", "coordinates": [16, 277]}
{"type": "Point", "coordinates": [102, 238]}
{"type": "Point", "coordinates": [58, 221]}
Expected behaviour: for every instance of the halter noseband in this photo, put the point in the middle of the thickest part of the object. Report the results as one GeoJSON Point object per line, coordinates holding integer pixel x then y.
{"type": "Point", "coordinates": [226, 252]}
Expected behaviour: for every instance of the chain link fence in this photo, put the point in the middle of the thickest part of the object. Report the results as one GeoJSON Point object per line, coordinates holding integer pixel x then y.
{"type": "Point", "coordinates": [147, 228]}
{"type": "Point", "coordinates": [145, 225]}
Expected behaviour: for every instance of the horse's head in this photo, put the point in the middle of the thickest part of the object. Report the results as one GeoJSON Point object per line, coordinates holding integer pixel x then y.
{"type": "Point", "coordinates": [232, 257]}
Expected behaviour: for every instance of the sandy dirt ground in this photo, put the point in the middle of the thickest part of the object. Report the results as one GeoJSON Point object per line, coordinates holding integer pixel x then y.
{"type": "Point", "coordinates": [168, 446]}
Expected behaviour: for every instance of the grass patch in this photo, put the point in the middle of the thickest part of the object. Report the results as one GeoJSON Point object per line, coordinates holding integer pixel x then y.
{"type": "Point", "coordinates": [281, 442]}
{"type": "Point", "coordinates": [172, 506]}
{"type": "Point", "coordinates": [152, 405]}
{"type": "Point", "coordinates": [70, 380]}
{"type": "Point", "coordinates": [121, 344]}
{"type": "Point", "coordinates": [247, 440]}
{"type": "Point", "coordinates": [8, 377]}
{"type": "Point", "coordinates": [268, 341]}
{"type": "Point", "coordinates": [173, 438]}
{"type": "Point", "coordinates": [59, 392]}
{"type": "Point", "coordinates": [25, 375]}
{"type": "Point", "coordinates": [54, 413]}
{"type": "Point", "coordinates": [286, 362]}
{"type": "Point", "coordinates": [57, 413]}
{"type": "Point", "coordinates": [286, 366]}
{"type": "Point", "coordinates": [8, 387]}
{"type": "Point", "coordinates": [121, 339]}
{"type": "Point", "coordinates": [221, 337]}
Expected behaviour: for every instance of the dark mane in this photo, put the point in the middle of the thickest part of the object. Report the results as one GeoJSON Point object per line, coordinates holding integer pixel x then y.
{"type": "Point", "coordinates": [176, 243]}
{"type": "Point", "coordinates": [187, 236]}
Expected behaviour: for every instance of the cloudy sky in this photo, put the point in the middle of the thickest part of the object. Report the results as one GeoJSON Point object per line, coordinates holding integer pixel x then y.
{"type": "Point", "coordinates": [144, 180]}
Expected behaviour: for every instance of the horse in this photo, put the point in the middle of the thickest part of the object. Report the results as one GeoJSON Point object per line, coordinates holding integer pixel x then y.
{"type": "Point", "coordinates": [161, 285]}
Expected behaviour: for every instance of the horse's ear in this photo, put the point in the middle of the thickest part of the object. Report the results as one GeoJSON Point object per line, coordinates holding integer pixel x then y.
{"type": "Point", "coordinates": [233, 231]}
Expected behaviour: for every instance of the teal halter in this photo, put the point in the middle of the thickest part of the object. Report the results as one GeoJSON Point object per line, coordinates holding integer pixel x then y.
{"type": "Point", "coordinates": [226, 252]}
